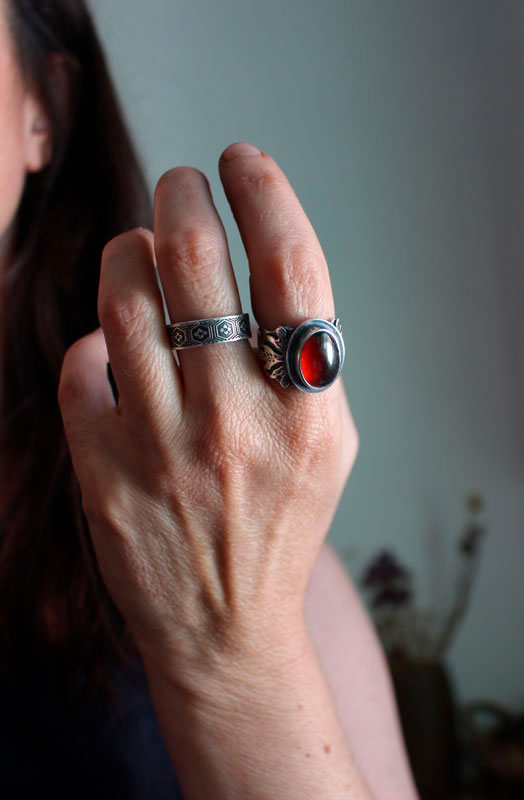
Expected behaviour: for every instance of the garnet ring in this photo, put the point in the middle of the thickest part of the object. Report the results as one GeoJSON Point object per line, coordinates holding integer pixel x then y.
{"type": "Point", "coordinates": [309, 356]}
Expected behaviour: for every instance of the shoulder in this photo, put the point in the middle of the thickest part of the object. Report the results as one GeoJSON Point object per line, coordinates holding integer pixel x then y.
{"type": "Point", "coordinates": [356, 671]}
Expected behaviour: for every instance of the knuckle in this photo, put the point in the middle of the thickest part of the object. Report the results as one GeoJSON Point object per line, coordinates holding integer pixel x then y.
{"type": "Point", "coordinates": [105, 513]}
{"type": "Point", "coordinates": [230, 440]}
{"type": "Point", "coordinates": [293, 271]}
{"type": "Point", "coordinates": [70, 391]}
{"type": "Point", "coordinates": [71, 384]}
{"type": "Point", "coordinates": [116, 302]}
{"type": "Point", "coordinates": [124, 314]}
{"type": "Point", "coordinates": [314, 435]}
{"type": "Point", "coordinates": [233, 460]}
{"type": "Point", "coordinates": [239, 446]}
{"type": "Point", "coordinates": [192, 251]}
{"type": "Point", "coordinates": [110, 502]}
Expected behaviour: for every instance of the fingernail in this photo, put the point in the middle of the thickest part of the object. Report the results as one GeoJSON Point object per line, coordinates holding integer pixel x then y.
{"type": "Point", "coordinates": [240, 149]}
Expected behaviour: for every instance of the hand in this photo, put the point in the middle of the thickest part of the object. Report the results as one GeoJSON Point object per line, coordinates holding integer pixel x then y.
{"type": "Point", "coordinates": [209, 488]}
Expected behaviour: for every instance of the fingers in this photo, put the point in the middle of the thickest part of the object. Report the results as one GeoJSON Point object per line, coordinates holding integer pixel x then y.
{"type": "Point", "coordinates": [289, 281]}
{"type": "Point", "coordinates": [85, 399]}
{"type": "Point", "coordinates": [131, 314]}
{"type": "Point", "coordinates": [197, 276]}
{"type": "Point", "coordinates": [289, 276]}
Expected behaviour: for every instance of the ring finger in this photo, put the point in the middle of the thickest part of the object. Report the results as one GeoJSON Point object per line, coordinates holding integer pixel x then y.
{"type": "Point", "coordinates": [197, 276]}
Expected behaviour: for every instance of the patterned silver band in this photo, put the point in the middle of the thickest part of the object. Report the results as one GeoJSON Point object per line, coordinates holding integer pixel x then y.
{"type": "Point", "coordinates": [198, 332]}
{"type": "Point", "coordinates": [309, 356]}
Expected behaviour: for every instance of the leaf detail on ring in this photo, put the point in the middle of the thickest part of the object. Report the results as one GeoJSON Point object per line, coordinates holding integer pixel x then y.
{"type": "Point", "coordinates": [272, 350]}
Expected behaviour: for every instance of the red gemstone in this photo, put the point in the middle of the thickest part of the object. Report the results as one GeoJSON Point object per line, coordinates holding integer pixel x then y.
{"type": "Point", "coordinates": [319, 360]}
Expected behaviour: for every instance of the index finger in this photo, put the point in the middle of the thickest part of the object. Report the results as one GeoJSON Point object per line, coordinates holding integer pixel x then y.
{"type": "Point", "coordinates": [289, 276]}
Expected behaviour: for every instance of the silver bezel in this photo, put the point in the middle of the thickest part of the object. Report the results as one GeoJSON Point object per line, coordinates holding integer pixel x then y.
{"type": "Point", "coordinates": [296, 343]}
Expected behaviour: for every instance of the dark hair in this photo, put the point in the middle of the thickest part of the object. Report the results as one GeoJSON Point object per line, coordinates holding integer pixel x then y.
{"type": "Point", "coordinates": [92, 189]}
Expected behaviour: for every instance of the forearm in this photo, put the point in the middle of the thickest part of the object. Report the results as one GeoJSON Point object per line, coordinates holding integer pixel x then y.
{"type": "Point", "coordinates": [268, 730]}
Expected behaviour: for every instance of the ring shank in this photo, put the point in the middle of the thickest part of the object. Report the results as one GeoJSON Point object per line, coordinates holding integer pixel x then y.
{"type": "Point", "coordinates": [214, 330]}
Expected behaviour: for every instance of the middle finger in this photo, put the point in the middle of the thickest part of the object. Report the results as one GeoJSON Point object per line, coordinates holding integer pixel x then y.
{"type": "Point", "coordinates": [289, 276]}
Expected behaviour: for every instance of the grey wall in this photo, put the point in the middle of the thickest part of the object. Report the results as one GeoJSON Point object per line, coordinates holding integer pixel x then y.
{"type": "Point", "coordinates": [400, 126]}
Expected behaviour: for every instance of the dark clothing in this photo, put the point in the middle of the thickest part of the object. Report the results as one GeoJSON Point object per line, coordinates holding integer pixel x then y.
{"type": "Point", "coordinates": [48, 748]}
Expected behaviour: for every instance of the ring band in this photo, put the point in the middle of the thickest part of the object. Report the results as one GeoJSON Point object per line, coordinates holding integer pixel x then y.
{"type": "Point", "coordinates": [198, 332]}
{"type": "Point", "coordinates": [309, 356]}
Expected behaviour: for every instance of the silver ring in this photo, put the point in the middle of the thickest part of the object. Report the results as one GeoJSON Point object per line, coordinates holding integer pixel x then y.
{"type": "Point", "coordinates": [309, 356]}
{"type": "Point", "coordinates": [216, 330]}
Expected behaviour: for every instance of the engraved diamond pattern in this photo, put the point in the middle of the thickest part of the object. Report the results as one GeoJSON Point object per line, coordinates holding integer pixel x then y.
{"type": "Point", "coordinates": [201, 334]}
{"type": "Point", "coordinates": [209, 331]}
{"type": "Point", "coordinates": [225, 330]}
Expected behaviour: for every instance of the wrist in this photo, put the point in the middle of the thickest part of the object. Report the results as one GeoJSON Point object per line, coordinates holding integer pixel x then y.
{"type": "Point", "coordinates": [224, 676]}
{"type": "Point", "coordinates": [263, 726]}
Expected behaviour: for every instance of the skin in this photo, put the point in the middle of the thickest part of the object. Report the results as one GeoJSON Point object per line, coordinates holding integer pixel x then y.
{"type": "Point", "coordinates": [188, 448]}
{"type": "Point", "coordinates": [218, 563]}
{"type": "Point", "coordinates": [25, 136]}
{"type": "Point", "coordinates": [209, 489]}
{"type": "Point", "coordinates": [210, 554]}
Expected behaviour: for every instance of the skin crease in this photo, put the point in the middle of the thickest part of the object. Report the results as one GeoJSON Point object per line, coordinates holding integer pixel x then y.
{"type": "Point", "coordinates": [25, 146]}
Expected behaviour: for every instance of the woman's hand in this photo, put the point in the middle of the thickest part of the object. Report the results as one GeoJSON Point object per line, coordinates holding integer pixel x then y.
{"type": "Point", "coordinates": [209, 488]}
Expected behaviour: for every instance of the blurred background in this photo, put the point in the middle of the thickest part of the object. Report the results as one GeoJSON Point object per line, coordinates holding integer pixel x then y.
{"type": "Point", "coordinates": [401, 128]}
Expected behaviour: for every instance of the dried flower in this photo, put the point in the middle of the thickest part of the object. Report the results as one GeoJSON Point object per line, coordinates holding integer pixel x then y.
{"type": "Point", "coordinates": [469, 543]}
{"type": "Point", "coordinates": [475, 502]}
{"type": "Point", "coordinates": [392, 596]}
{"type": "Point", "coordinates": [383, 570]}
{"type": "Point", "coordinates": [404, 628]}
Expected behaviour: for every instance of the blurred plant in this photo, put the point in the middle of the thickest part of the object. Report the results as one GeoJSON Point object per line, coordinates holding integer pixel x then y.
{"type": "Point", "coordinates": [405, 630]}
